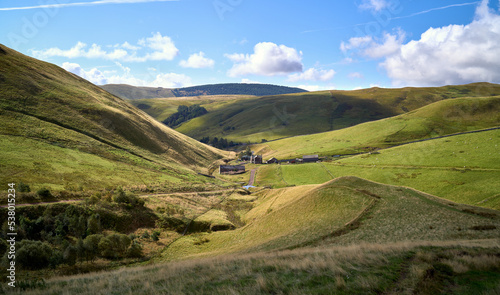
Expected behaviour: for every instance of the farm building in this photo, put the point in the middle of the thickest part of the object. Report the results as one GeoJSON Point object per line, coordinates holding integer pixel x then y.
{"type": "Point", "coordinates": [230, 169]}
{"type": "Point", "coordinates": [256, 159]}
{"type": "Point", "coordinates": [273, 160]}
{"type": "Point", "coordinates": [309, 159]}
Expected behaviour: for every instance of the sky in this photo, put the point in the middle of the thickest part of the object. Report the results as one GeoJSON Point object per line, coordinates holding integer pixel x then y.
{"type": "Point", "coordinates": [315, 45]}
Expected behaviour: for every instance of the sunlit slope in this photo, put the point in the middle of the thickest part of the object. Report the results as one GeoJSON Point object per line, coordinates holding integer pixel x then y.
{"type": "Point", "coordinates": [343, 211]}
{"type": "Point", "coordinates": [43, 107]}
{"type": "Point", "coordinates": [463, 168]}
{"type": "Point", "coordinates": [437, 119]}
{"type": "Point", "coordinates": [273, 117]}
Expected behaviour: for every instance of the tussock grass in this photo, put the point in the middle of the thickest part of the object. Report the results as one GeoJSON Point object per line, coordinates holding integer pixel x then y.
{"type": "Point", "coordinates": [362, 269]}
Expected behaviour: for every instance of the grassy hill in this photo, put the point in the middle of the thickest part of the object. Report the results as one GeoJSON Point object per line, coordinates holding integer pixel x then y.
{"type": "Point", "coordinates": [405, 240]}
{"type": "Point", "coordinates": [273, 117]}
{"type": "Point", "coordinates": [132, 92]}
{"type": "Point", "coordinates": [437, 119]}
{"type": "Point", "coordinates": [462, 168]}
{"type": "Point", "coordinates": [60, 131]}
{"type": "Point", "coordinates": [162, 108]}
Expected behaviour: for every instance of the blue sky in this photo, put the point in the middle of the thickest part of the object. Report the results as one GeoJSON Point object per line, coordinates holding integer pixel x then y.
{"type": "Point", "coordinates": [318, 44]}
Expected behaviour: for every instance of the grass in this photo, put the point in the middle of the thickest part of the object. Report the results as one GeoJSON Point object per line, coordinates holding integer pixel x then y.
{"type": "Point", "coordinates": [437, 119]}
{"type": "Point", "coordinates": [60, 113]}
{"type": "Point", "coordinates": [279, 116]}
{"type": "Point", "coordinates": [409, 268]}
{"type": "Point", "coordinates": [461, 168]}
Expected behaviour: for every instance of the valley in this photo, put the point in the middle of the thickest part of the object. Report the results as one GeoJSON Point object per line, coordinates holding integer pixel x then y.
{"type": "Point", "coordinates": [403, 198]}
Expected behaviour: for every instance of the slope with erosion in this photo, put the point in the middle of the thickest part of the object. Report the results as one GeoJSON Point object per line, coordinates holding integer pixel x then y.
{"type": "Point", "coordinates": [273, 117]}
{"type": "Point", "coordinates": [342, 211]}
{"type": "Point", "coordinates": [437, 119]}
{"type": "Point", "coordinates": [54, 122]}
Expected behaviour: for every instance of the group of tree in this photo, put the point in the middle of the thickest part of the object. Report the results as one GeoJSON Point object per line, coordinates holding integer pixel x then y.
{"type": "Point", "coordinates": [184, 113]}
{"type": "Point", "coordinates": [220, 143]}
{"type": "Point", "coordinates": [68, 233]}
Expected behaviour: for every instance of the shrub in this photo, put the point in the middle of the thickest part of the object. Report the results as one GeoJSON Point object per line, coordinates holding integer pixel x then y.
{"type": "Point", "coordinates": [155, 236]}
{"type": "Point", "coordinates": [114, 245]}
{"type": "Point", "coordinates": [23, 188]}
{"type": "Point", "coordinates": [44, 194]}
{"type": "Point", "coordinates": [127, 198]}
{"type": "Point", "coordinates": [70, 255]}
{"type": "Point", "coordinates": [91, 246]}
{"type": "Point", "coordinates": [135, 250]}
{"type": "Point", "coordinates": [33, 254]}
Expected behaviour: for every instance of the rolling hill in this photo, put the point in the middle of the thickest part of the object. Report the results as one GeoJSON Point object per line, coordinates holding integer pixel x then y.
{"type": "Point", "coordinates": [132, 92]}
{"type": "Point", "coordinates": [348, 234]}
{"type": "Point", "coordinates": [436, 119]}
{"type": "Point", "coordinates": [279, 116]}
{"type": "Point", "coordinates": [61, 131]}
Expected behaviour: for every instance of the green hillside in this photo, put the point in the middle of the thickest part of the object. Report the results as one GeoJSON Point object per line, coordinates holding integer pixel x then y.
{"type": "Point", "coordinates": [162, 108]}
{"type": "Point", "coordinates": [342, 211]}
{"type": "Point", "coordinates": [60, 131]}
{"type": "Point", "coordinates": [273, 117]}
{"type": "Point", "coordinates": [462, 168]}
{"type": "Point", "coordinates": [135, 92]}
{"type": "Point", "coordinates": [437, 119]}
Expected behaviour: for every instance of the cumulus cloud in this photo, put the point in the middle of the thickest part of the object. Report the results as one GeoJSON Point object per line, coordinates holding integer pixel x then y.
{"type": "Point", "coordinates": [166, 80]}
{"type": "Point", "coordinates": [197, 61]}
{"type": "Point", "coordinates": [454, 54]}
{"type": "Point", "coordinates": [157, 48]}
{"type": "Point", "coordinates": [373, 48]}
{"type": "Point", "coordinates": [268, 59]}
{"type": "Point", "coordinates": [312, 74]}
{"type": "Point", "coordinates": [94, 75]}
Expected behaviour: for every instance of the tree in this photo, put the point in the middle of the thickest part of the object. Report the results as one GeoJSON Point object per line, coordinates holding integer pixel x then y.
{"type": "Point", "coordinates": [70, 255]}
{"type": "Point", "coordinates": [114, 245]}
{"type": "Point", "coordinates": [23, 188]}
{"type": "Point", "coordinates": [135, 250]}
{"type": "Point", "coordinates": [93, 224]}
{"type": "Point", "coordinates": [44, 194]}
{"type": "Point", "coordinates": [91, 245]}
{"type": "Point", "coordinates": [33, 254]}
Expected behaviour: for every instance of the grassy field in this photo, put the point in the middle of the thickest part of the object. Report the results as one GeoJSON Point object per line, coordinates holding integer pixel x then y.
{"type": "Point", "coordinates": [437, 119]}
{"type": "Point", "coordinates": [462, 168]}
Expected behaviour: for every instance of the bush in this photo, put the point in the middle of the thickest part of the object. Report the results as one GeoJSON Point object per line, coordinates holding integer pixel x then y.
{"type": "Point", "coordinates": [135, 250]}
{"type": "Point", "coordinates": [155, 236]}
{"type": "Point", "coordinates": [33, 254]}
{"type": "Point", "coordinates": [114, 245]}
{"type": "Point", "coordinates": [70, 255]}
{"type": "Point", "coordinates": [127, 198]}
{"type": "Point", "coordinates": [44, 194]}
{"type": "Point", "coordinates": [23, 188]}
{"type": "Point", "coordinates": [91, 246]}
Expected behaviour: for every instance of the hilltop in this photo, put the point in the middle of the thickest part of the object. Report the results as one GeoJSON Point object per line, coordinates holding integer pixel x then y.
{"type": "Point", "coordinates": [60, 131]}
{"type": "Point", "coordinates": [132, 92]}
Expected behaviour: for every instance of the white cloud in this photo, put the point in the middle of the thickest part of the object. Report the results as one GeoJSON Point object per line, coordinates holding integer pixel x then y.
{"type": "Point", "coordinates": [312, 74]}
{"type": "Point", "coordinates": [248, 81]}
{"type": "Point", "coordinates": [158, 47]}
{"type": "Point", "coordinates": [166, 80]}
{"type": "Point", "coordinates": [197, 61]}
{"type": "Point", "coordinates": [163, 47]}
{"type": "Point", "coordinates": [375, 5]}
{"type": "Point", "coordinates": [310, 87]}
{"type": "Point", "coordinates": [94, 75]}
{"type": "Point", "coordinates": [368, 46]}
{"type": "Point", "coordinates": [171, 80]}
{"type": "Point", "coordinates": [268, 59]}
{"type": "Point", "coordinates": [355, 42]}
{"type": "Point", "coordinates": [455, 54]}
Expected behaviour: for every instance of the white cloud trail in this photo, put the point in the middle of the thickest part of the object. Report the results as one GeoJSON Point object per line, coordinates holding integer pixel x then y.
{"type": "Point", "coordinates": [93, 3]}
